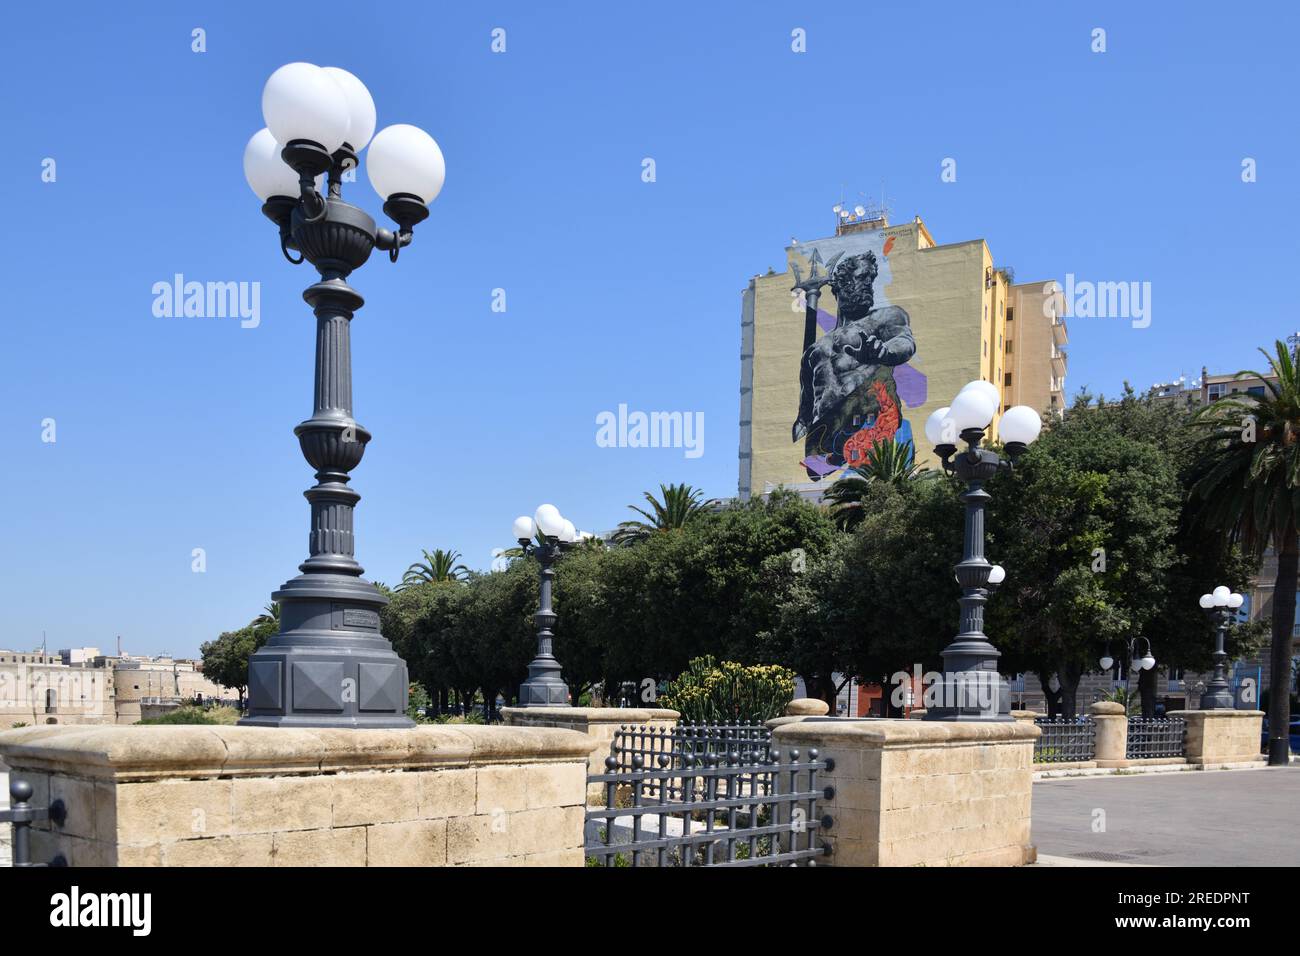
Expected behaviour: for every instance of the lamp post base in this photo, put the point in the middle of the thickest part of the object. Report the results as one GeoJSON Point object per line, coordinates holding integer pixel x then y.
{"type": "Point", "coordinates": [972, 688]}
{"type": "Point", "coordinates": [1218, 698]}
{"type": "Point", "coordinates": [329, 666]}
{"type": "Point", "coordinates": [544, 686]}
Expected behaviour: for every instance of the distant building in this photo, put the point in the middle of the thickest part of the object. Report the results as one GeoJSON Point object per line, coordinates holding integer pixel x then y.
{"type": "Point", "coordinates": [83, 686]}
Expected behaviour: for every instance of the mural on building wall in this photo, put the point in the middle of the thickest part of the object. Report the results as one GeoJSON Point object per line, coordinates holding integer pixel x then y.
{"type": "Point", "coordinates": [854, 380]}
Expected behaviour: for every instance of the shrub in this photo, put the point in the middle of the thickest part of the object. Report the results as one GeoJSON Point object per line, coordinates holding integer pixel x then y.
{"type": "Point", "coordinates": [419, 703]}
{"type": "Point", "coordinates": [729, 692]}
{"type": "Point", "coordinates": [189, 714]}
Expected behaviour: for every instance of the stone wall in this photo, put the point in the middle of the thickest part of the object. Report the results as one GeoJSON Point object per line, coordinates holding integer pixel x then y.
{"type": "Point", "coordinates": [248, 796]}
{"type": "Point", "coordinates": [921, 793]}
{"type": "Point", "coordinates": [1222, 737]}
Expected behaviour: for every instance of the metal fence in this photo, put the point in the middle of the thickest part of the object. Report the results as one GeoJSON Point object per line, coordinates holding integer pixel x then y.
{"type": "Point", "coordinates": [1065, 739]}
{"type": "Point", "coordinates": [667, 748]}
{"type": "Point", "coordinates": [707, 795]}
{"type": "Point", "coordinates": [662, 747]}
{"type": "Point", "coordinates": [22, 815]}
{"type": "Point", "coordinates": [1156, 737]}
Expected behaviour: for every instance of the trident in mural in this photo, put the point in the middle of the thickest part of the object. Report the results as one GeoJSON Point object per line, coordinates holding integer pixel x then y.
{"type": "Point", "coordinates": [847, 395]}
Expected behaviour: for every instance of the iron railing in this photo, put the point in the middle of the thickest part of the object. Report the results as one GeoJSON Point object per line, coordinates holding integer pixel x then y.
{"type": "Point", "coordinates": [664, 747]}
{"type": "Point", "coordinates": [667, 748]}
{"type": "Point", "coordinates": [714, 810]}
{"type": "Point", "coordinates": [1156, 737]}
{"type": "Point", "coordinates": [22, 815]}
{"type": "Point", "coordinates": [1065, 739]}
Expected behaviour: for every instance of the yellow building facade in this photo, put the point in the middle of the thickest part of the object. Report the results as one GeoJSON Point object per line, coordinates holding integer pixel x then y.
{"type": "Point", "coordinates": [919, 320]}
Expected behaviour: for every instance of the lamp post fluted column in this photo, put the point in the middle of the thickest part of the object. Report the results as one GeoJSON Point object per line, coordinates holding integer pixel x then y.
{"type": "Point", "coordinates": [1218, 694]}
{"type": "Point", "coordinates": [330, 666]}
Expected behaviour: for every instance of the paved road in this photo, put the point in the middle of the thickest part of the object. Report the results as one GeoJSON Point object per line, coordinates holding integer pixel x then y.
{"type": "Point", "coordinates": [1195, 818]}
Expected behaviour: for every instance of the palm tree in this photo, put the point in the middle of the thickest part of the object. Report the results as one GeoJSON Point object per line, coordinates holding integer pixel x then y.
{"type": "Point", "coordinates": [889, 462]}
{"type": "Point", "coordinates": [270, 615]}
{"type": "Point", "coordinates": [1249, 489]}
{"type": "Point", "coordinates": [438, 565]}
{"type": "Point", "coordinates": [680, 505]}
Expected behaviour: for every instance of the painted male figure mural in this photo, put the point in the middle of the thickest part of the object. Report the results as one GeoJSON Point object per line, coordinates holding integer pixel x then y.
{"type": "Point", "coordinates": [847, 394]}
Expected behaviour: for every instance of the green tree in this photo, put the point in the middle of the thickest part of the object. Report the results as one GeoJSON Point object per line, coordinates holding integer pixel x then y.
{"type": "Point", "coordinates": [270, 615]}
{"type": "Point", "coordinates": [890, 462]}
{"type": "Point", "coordinates": [225, 660]}
{"type": "Point", "coordinates": [1249, 490]}
{"type": "Point", "coordinates": [878, 600]}
{"type": "Point", "coordinates": [438, 565]}
{"type": "Point", "coordinates": [704, 589]}
{"type": "Point", "coordinates": [677, 507]}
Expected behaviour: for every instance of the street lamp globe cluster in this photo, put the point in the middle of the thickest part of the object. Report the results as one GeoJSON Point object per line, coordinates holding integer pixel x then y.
{"type": "Point", "coordinates": [1221, 606]}
{"type": "Point", "coordinates": [973, 688]}
{"type": "Point", "coordinates": [545, 535]}
{"type": "Point", "coordinates": [329, 665]}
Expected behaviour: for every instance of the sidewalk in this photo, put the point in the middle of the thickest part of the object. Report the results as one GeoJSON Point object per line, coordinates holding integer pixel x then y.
{"type": "Point", "coordinates": [1203, 818]}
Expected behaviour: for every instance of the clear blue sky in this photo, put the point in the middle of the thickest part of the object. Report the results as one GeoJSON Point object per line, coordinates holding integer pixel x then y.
{"type": "Point", "coordinates": [175, 434]}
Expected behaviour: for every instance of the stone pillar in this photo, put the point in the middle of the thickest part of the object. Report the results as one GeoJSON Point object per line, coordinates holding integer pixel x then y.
{"type": "Point", "coordinates": [435, 795]}
{"type": "Point", "coordinates": [1112, 733]}
{"type": "Point", "coordinates": [922, 793]}
{"type": "Point", "coordinates": [598, 723]}
{"type": "Point", "coordinates": [1218, 737]}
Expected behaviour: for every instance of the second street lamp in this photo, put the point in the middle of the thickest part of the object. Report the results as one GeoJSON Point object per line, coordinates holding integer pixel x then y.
{"type": "Point", "coordinates": [973, 688]}
{"type": "Point", "coordinates": [546, 535]}
{"type": "Point", "coordinates": [329, 665]}
{"type": "Point", "coordinates": [1221, 607]}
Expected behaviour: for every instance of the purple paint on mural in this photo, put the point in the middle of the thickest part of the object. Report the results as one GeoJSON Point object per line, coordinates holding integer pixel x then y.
{"type": "Point", "coordinates": [912, 385]}
{"type": "Point", "coordinates": [820, 465]}
{"type": "Point", "coordinates": [825, 320]}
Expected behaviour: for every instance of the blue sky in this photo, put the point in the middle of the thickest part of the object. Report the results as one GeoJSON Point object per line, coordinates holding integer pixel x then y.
{"type": "Point", "coordinates": [175, 434]}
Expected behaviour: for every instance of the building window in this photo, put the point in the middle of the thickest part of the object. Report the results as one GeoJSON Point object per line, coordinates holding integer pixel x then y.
{"type": "Point", "coordinates": [986, 347]}
{"type": "Point", "coordinates": [999, 342]}
{"type": "Point", "coordinates": [1009, 348]}
{"type": "Point", "coordinates": [1007, 380]}
{"type": "Point", "coordinates": [1218, 391]}
{"type": "Point", "coordinates": [1256, 390]}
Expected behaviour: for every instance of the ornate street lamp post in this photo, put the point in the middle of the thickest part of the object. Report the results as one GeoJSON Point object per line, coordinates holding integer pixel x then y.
{"type": "Point", "coordinates": [546, 535]}
{"type": "Point", "coordinates": [973, 689]}
{"type": "Point", "coordinates": [1144, 663]}
{"type": "Point", "coordinates": [1221, 607]}
{"type": "Point", "coordinates": [329, 665]}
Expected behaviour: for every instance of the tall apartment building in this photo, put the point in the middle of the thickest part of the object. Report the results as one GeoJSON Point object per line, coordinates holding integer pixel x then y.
{"type": "Point", "coordinates": [919, 321]}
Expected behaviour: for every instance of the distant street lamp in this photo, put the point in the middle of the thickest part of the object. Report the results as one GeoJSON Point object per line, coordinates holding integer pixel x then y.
{"type": "Point", "coordinates": [1221, 607]}
{"type": "Point", "coordinates": [546, 535]}
{"type": "Point", "coordinates": [970, 662]}
{"type": "Point", "coordinates": [329, 665]}
{"type": "Point", "coordinates": [1136, 664]}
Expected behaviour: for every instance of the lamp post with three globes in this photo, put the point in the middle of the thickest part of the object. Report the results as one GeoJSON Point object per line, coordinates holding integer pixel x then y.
{"type": "Point", "coordinates": [546, 535]}
{"type": "Point", "coordinates": [1220, 606]}
{"type": "Point", "coordinates": [973, 687]}
{"type": "Point", "coordinates": [329, 665]}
